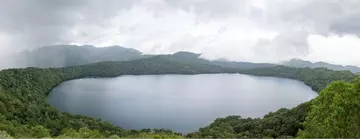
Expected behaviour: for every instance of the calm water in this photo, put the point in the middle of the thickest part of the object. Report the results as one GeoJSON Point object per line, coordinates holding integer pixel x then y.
{"type": "Point", "coordinates": [179, 102]}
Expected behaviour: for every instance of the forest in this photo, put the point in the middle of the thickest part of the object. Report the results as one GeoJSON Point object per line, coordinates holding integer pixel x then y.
{"type": "Point", "coordinates": [25, 112]}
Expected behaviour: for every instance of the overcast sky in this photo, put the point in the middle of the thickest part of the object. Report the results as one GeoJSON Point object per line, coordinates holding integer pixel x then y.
{"type": "Point", "coordinates": [242, 30]}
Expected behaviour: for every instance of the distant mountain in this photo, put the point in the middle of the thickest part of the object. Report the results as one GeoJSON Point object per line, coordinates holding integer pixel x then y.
{"type": "Point", "coordinates": [242, 65]}
{"type": "Point", "coordinates": [195, 58]}
{"type": "Point", "coordinates": [186, 54]}
{"type": "Point", "coordinates": [69, 55]}
{"type": "Point", "coordinates": [298, 63]}
{"type": "Point", "coordinates": [73, 55]}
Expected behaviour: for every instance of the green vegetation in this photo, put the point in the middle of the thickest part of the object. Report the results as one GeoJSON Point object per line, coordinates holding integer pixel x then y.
{"type": "Point", "coordinates": [24, 111]}
{"type": "Point", "coordinates": [4, 134]}
{"type": "Point", "coordinates": [335, 112]}
{"type": "Point", "coordinates": [282, 123]}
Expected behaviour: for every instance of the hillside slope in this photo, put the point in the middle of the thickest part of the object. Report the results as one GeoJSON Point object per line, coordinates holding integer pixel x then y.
{"type": "Point", "coordinates": [188, 57]}
{"type": "Point", "coordinates": [317, 78]}
{"type": "Point", "coordinates": [298, 63]}
{"type": "Point", "coordinates": [69, 55]}
{"type": "Point", "coordinates": [73, 55]}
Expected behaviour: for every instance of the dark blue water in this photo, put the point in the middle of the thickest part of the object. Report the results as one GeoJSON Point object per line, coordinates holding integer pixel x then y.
{"type": "Point", "coordinates": [183, 103]}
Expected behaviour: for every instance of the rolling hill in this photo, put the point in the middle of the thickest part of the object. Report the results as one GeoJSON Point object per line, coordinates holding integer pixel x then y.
{"type": "Point", "coordinates": [69, 55]}
{"type": "Point", "coordinates": [298, 63]}
{"type": "Point", "coordinates": [73, 55]}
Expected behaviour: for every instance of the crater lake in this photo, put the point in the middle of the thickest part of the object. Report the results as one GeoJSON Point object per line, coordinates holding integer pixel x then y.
{"type": "Point", "coordinates": [182, 103]}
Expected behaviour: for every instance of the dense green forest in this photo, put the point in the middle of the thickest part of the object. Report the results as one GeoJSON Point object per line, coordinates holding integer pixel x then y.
{"type": "Point", "coordinates": [282, 123]}
{"type": "Point", "coordinates": [25, 112]}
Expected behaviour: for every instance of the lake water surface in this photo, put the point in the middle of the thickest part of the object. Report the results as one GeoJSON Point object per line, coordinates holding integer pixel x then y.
{"type": "Point", "coordinates": [182, 103]}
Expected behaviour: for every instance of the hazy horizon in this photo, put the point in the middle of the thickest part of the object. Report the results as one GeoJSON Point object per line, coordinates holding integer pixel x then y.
{"type": "Point", "coordinates": [201, 55]}
{"type": "Point", "coordinates": [238, 30]}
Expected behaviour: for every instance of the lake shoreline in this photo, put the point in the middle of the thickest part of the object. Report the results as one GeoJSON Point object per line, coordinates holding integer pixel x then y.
{"type": "Point", "coordinates": [281, 84]}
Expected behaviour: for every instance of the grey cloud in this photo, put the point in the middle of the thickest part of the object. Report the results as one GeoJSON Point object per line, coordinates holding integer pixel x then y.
{"type": "Point", "coordinates": [347, 24]}
{"type": "Point", "coordinates": [211, 8]}
{"type": "Point", "coordinates": [295, 41]}
{"type": "Point", "coordinates": [35, 23]}
{"type": "Point", "coordinates": [317, 16]}
{"type": "Point", "coordinates": [284, 46]}
{"type": "Point", "coordinates": [323, 17]}
{"type": "Point", "coordinates": [187, 43]}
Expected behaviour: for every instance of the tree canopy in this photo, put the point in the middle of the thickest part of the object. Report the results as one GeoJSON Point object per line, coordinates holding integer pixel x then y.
{"type": "Point", "coordinates": [282, 123]}
{"type": "Point", "coordinates": [335, 112]}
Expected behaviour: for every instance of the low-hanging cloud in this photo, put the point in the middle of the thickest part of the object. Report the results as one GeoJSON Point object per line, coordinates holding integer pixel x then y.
{"type": "Point", "coordinates": [35, 23]}
{"type": "Point", "coordinates": [284, 46]}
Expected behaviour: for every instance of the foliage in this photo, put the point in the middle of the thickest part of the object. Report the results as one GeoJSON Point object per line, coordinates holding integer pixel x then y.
{"type": "Point", "coordinates": [4, 134]}
{"type": "Point", "coordinates": [282, 123]}
{"type": "Point", "coordinates": [81, 133]}
{"type": "Point", "coordinates": [335, 112]}
{"type": "Point", "coordinates": [39, 131]}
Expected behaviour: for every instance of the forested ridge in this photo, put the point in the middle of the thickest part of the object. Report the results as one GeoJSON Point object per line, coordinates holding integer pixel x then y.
{"type": "Point", "coordinates": [298, 63]}
{"type": "Point", "coordinates": [317, 78]}
{"type": "Point", "coordinates": [68, 55]}
{"type": "Point", "coordinates": [24, 111]}
{"type": "Point", "coordinates": [282, 123]}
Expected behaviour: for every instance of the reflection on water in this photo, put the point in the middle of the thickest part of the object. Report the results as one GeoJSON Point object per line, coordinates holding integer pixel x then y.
{"type": "Point", "coordinates": [183, 103]}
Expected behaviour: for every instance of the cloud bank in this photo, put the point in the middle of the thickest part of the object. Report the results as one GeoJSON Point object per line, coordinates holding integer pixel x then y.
{"type": "Point", "coordinates": [242, 30]}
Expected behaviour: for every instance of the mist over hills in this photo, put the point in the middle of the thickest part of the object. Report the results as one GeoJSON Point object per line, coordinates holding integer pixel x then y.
{"type": "Point", "coordinates": [183, 56]}
{"type": "Point", "coordinates": [298, 63]}
{"type": "Point", "coordinates": [69, 55]}
{"type": "Point", "coordinates": [73, 55]}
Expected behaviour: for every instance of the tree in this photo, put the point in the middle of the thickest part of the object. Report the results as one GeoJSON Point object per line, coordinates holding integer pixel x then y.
{"type": "Point", "coordinates": [114, 137]}
{"type": "Point", "coordinates": [39, 132]}
{"type": "Point", "coordinates": [4, 134]}
{"type": "Point", "coordinates": [335, 112]}
{"type": "Point", "coordinates": [81, 133]}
